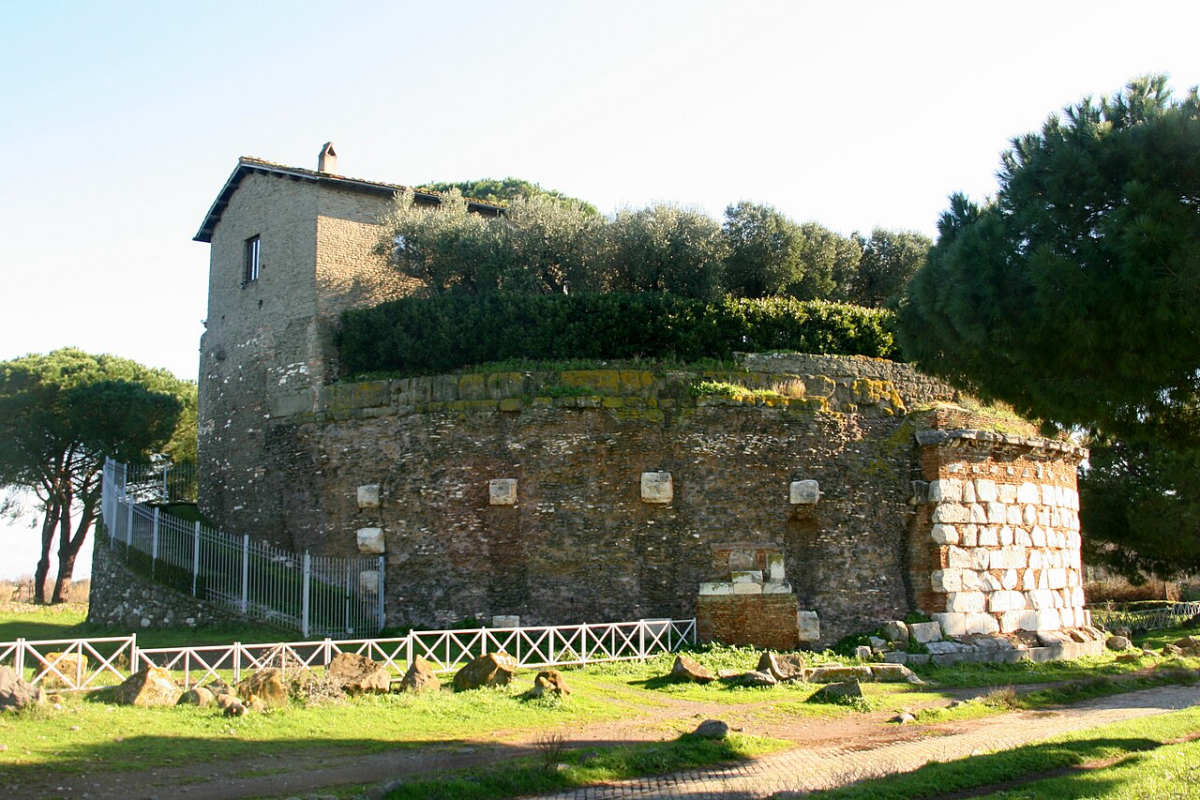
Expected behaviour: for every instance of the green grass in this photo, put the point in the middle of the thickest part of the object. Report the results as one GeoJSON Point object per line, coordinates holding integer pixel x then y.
{"type": "Point", "coordinates": [974, 775]}
{"type": "Point", "coordinates": [29, 621]}
{"type": "Point", "coordinates": [553, 771]}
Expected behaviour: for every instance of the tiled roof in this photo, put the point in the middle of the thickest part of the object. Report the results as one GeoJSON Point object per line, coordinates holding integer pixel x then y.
{"type": "Point", "coordinates": [247, 165]}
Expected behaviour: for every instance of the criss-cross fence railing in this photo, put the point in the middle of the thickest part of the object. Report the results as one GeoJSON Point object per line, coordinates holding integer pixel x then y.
{"type": "Point", "coordinates": [1166, 616]}
{"type": "Point", "coordinates": [316, 595]}
{"type": "Point", "coordinates": [79, 664]}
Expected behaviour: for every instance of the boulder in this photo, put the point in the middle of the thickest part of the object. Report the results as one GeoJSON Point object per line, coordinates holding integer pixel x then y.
{"type": "Point", "coordinates": [549, 681]}
{"type": "Point", "coordinates": [903, 718]}
{"type": "Point", "coordinates": [1120, 630]}
{"type": "Point", "coordinates": [837, 691]}
{"type": "Point", "coordinates": [1189, 645]}
{"type": "Point", "coordinates": [896, 631]}
{"type": "Point", "coordinates": [783, 667]}
{"type": "Point", "coordinates": [232, 706]}
{"type": "Point", "coordinates": [894, 673]}
{"type": "Point", "coordinates": [357, 674]}
{"type": "Point", "coordinates": [688, 669]}
{"type": "Point", "coordinates": [16, 692]}
{"type": "Point", "coordinates": [420, 677]}
{"type": "Point", "coordinates": [73, 667]}
{"type": "Point", "coordinates": [711, 729]}
{"type": "Point", "coordinates": [267, 685]}
{"type": "Point", "coordinates": [834, 674]}
{"type": "Point", "coordinates": [757, 678]}
{"type": "Point", "coordinates": [1117, 643]}
{"type": "Point", "coordinates": [199, 696]}
{"type": "Point", "coordinates": [1172, 650]}
{"type": "Point", "coordinates": [863, 653]}
{"type": "Point", "coordinates": [490, 669]}
{"type": "Point", "coordinates": [147, 687]}
{"type": "Point", "coordinates": [218, 687]}
{"type": "Point", "coordinates": [925, 632]}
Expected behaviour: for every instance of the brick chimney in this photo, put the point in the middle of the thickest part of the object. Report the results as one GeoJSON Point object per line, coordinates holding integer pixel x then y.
{"type": "Point", "coordinates": [327, 159]}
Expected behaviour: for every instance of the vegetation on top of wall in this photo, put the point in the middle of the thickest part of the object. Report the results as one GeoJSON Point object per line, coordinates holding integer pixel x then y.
{"type": "Point", "coordinates": [439, 334]}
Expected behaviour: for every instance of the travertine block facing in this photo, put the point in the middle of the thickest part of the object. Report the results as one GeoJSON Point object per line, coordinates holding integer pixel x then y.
{"type": "Point", "coordinates": [951, 513]}
{"type": "Point", "coordinates": [947, 580]}
{"type": "Point", "coordinates": [1006, 601]}
{"type": "Point", "coordinates": [810, 626]}
{"type": "Point", "coordinates": [502, 492]}
{"type": "Point", "coordinates": [946, 491]}
{"type": "Point", "coordinates": [368, 581]}
{"type": "Point", "coordinates": [1027, 493]}
{"type": "Point", "coordinates": [1014, 557]}
{"type": "Point", "coordinates": [965, 602]}
{"type": "Point", "coordinates": [804, 493]}
{"type": "Point", "coordinates": [716, 587]}
{"type": "Point", "coordinates": [746, 576]}
{"type": "Point", "coordinates": [986, 491]}
{"type": "Point", "coordinates": [971, 581]}
{"type": "Point", "coordinates": [368, 496]}
{"type": "Point", "coordinates": [1048, 620]}
{"type": "Point", "coordinates": [982, 623]}
{"type": "Point", "coordinates": [776, 587]}
{"type": "Point", "coordinates": [775, 567]}
{"type": "Point", "coordinates": [506, 621]}
{"type": "Point", "coordinates": [952, 623]}
{"type": "Point", "coordinates": [371, 540]}
{"type": "Point", "coordinates": [945, 534]}
{"type": "Point", "coordinates": [747, 588]}
{"type": "Point", "coordinates": [657, 487]}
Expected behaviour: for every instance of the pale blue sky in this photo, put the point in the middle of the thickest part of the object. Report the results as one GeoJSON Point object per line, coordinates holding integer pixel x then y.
{"type": "Point", "coordinates": [121, 120]}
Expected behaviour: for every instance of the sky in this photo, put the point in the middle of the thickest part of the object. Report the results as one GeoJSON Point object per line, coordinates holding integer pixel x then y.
{"type": "Point", "coordinates": [120, 122]}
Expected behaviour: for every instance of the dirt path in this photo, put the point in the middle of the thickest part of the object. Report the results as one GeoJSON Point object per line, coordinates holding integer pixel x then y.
{"type": "Point", "coordinates": [828, 752]}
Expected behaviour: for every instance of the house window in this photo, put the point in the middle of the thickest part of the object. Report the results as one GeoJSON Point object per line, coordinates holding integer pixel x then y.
{"type": "Point", "coordinates": [253, 260]}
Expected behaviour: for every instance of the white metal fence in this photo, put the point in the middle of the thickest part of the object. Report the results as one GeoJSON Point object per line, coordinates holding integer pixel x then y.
{"type": "Point", "coordinates": [316, 595]}
{"type": "Point", "coordinates": [1149, 619]}
{"type": "Point", "coordinates": [80, 664]}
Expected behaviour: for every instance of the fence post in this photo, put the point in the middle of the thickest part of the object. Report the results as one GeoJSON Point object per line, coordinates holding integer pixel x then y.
{"type": "Point", "coordinates": [379, 594]}
{"type": "Point", "coordinates": [304, 595]}
{"type": "Point", "coordinates": [195, 557]}
{"type": "Point", "coordinates": [128, 526]}
{"type": "Point", "coordinates": [408, 648]}
{"type": "Point", "coordinates": [237, 662]}
{"type": "Point", "coordinates": [133, 654]}
{"type": "Point", "coordinates": [245, 573]}
{"type": "Point", "coordinates": [642, 639]}
{"type": "Point", "coordinates": [346, 625]}
{"type": "Point", "coordinates": [20, 660]}
{"type": "Point", "coordinates": [154, 541]}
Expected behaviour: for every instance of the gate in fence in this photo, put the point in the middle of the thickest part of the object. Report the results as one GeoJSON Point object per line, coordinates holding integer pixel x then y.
{"type": "Point", "coordinates": [316, 595]}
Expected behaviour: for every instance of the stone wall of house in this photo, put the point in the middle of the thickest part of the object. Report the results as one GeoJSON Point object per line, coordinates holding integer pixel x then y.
{"type": "Point", "coordinates": [275, 334]}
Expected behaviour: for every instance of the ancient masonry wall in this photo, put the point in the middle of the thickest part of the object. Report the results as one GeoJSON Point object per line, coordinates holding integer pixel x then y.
{"type": "Point", "coordinates": [1000, 535]}
{"type": "Point", "coordinates": [526, 494]}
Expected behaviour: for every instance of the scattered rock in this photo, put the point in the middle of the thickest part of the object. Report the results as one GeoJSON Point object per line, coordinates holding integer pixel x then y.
{"type": "Point", "coordinates": [420, 677]}
{"type": "Point", "coordinates": [358, 674]}
{"type": "Point", "coordinates": [711, 729]}
{"type": "Point", "coordinates": [783, 667]}
{"type": "Point", "coordinates": [1189, 645]}
{"type": "Point", "coordinates": [16, 692]}
{"type": "Point", "coordinates": [894, 673]}
{"type": "Point", "coordinates": [218, 687]}
{"type": "Point", "coordinates": [147, 687]}
{"type": "Point", "coordinates": [878, 645]}
{"type": "Point", "coordinates": [255, 703]}
{"type": "Point", "coordinates": [832, 674]}
{"type": "Point", "coordinates": [757, 678]}
{"type": "Point", "coordinates": [1118, 643]}
{"type": "Point", "coordinates": [925, 632]}
{"type": "Point", "coordinates": [1120, 630]}
{"type": "Point", "coordinates": [1129, 658]}
{"type": "Point", "coordinates": [199, 696]}
{"type": "Point", "coordinates": [73, 667]}
{"type": "Point", "coordinates": [836, 691]}
{"type": "Point", "coordinates": [267, 685]}
{"type": "Point", "coordinates": [1172, 650]}
{"type": "Point", "coordinates": [549, 681]}
{"type": "Point", "coordinates": [863, 652]}
{"type": "Point", "coordinates": [903, 718]}
{"type": "Point", "coordinates": [896, 631]}
{"type": "Point", "coordinates": [688, 669]}
{"type": "Point", "coordinates": [490, 669]}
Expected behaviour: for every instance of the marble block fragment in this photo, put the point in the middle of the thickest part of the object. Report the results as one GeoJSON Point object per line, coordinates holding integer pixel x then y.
{"type": "Point", "coordinates": [657, 487]}
{"type": "Point", "coordinates": [368, 496]}
{"type": "Point", "coordinates": [804, 493]}
{"type": "Point", "coordinates": [371, 540]}
{"type": "Point", "coordinates": [502, 492]}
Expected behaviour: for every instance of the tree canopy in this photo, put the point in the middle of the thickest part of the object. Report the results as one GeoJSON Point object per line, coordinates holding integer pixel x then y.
{"type": "Point", "coordinates": [61, 415]}
{"type": "Point", "coordinates": [1074, 294]}
{"type": "Point", "coordinates": [504, 191]}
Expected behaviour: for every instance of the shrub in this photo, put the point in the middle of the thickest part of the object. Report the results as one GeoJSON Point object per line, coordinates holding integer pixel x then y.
{"type": "Point", "coordinates": [440, 334]}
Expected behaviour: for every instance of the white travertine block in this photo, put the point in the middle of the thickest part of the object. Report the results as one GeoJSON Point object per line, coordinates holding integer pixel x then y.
{"type": "Point", "coordinates": [969, 535]}
{"type": "Point", "coordinates": [971, 581]}
{"type": "Point", "coordinates": [946, 490]}
{"type": "Point", "coordinates": [1048, 620]}
{"type": "Point", "coordinates": [996, 514]}
{"type": "Point", "coordinates": [776, 587]}
{"type": "Point", "coordinates": [952, 623]}
{"type": "Point", "coordinates": [1040, 599]}
{"type": "Point", "coordinates": [985, 490]}
{"type": "Point", "coordinates": [747, 588]}
{"type": "Point", "coordinates": [1006, 601]}
{"type": "Point", "coordinates": [945, 534]}
{"type": "Point", "coordinates": [746, 576]}
{"type": "Point", "coordinates": [989, 536]}
{"type": "Point", "coordinates": [809, 624]}
{"type": "Point", "coordinates": [952, 513]}
{"type": "Point", "coordinates": [804, 493]}
{"type": "Point", "coordinates": [946, 580]}
{"type": "Point", "coordinates": [775, 568]}
{"type": "Point", "coordinates": [657, 487]}
{"type": "Point", "coordinates": [710, 588]}
{"type": "Point", "coordinates": [1008, 558]}
{"type": "Point", "coordinates": [368, 496]}
{"type": "Point", "coordinates": [502, 492]}
{"type": "Point", "coordinates": [371, 540]}
{"type": "Point", "coordinates": [965, 602]}
{"type": "Point", "coordinates": [1027, 493]}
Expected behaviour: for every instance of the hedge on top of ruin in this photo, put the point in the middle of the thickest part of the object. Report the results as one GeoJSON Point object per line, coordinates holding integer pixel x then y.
{"type": "Point", "coordinates": [443, 333]}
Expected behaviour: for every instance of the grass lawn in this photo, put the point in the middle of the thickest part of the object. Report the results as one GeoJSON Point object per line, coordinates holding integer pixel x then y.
{"type": "Point", "coordinates": [1143, 766]}
{"type": "Point", "coordinates": [89, 734]}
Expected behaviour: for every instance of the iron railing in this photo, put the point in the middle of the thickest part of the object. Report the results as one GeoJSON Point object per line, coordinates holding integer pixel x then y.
{"type": "Point", "coordinates": [82, 664]}
{"type": "Point", "coordinates": [1167, 616]}
{"type": "Point", "coordinates": [316, 595]}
